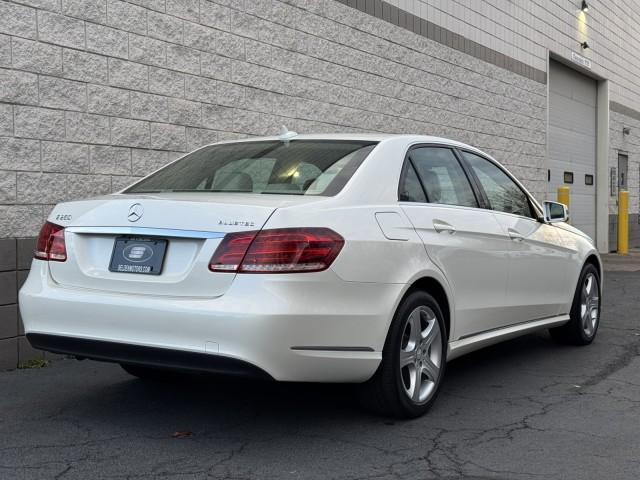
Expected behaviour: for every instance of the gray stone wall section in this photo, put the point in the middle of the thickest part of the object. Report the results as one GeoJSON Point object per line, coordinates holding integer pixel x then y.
{"type": "Point", "coordinates": [623, 109]}
{"type": "Point", "coordinates": [421, 26]}
{"type": "Point", "coordinates": [629, 144]}
{"type": "Point", "coordinates": [92, 91]}
{"type": "Point", "coordinates": [96, 93]}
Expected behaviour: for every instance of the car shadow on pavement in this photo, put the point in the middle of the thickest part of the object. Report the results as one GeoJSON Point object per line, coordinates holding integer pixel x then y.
{"type": "Point", "coordinates": [214, 399]}
{"type": "Point", "coordinates": [96, 417]}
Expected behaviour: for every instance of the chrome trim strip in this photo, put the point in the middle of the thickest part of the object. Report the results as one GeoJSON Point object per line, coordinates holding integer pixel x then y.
{"type": "Point", "coordinates": [491, 330]}
{"type": "Point", "coordinates": [334, 349]}
{"type": "Point", "coordinates": [468, 344]}
{"type": "Point", "coordinates": [147, 232]}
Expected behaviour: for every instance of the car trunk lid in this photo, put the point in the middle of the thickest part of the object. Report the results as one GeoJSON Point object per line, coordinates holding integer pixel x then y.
{"type": "Point", "coordinates": [192, 224]}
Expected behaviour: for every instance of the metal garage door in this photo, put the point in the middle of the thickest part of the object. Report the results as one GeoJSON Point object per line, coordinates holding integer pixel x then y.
{"type": "Point", "coordinates": [572, 142]}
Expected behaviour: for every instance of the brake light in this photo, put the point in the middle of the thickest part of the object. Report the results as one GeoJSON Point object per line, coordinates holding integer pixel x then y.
{"type": "Point", "coordinates": [229, 254]}
{"type": "Point", "coordinates": [50, 245]}
{"type": "Point", "coordinates": [283, 250]}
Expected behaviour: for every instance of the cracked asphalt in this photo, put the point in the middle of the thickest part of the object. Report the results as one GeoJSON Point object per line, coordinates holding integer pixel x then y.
{"type": "Point", "coordinates": [524, 409]}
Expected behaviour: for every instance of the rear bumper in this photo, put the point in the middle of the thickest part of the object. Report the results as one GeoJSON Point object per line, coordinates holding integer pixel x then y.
{"type": "Point", "coordinates": [310, 327]}
{"type": "Point", "coordinates": [147, 356]}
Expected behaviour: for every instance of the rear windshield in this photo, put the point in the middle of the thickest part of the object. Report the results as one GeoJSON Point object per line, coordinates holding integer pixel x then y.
{"type": "Point", "coordinates": [298, 167]}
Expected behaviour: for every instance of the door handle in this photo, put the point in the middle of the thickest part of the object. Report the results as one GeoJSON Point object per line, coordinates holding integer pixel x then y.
{"type": "Point", "coordinates": [515, 235]}
{"type": "Point", "coordinates": [440, 226]}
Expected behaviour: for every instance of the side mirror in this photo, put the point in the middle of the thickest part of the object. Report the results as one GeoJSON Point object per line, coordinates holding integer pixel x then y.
{"type": "Point", "coordinates": [555, 212]}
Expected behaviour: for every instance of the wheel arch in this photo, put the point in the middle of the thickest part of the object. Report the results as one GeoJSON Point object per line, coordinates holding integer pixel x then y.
{"type": "Point", "coordinates": [433, 287]}
{"type": "Point", "coordinates": [593, 259]}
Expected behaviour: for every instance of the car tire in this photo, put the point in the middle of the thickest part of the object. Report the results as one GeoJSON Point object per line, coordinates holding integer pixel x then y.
{"type": "Point", "coordinates": [585, 311]}
{"type": "Point", "coordinates": [413, 360]}
{"type": "Point", "coordinates": [150, 373]}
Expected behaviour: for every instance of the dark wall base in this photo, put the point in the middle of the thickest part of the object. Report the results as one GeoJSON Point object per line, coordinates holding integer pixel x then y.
{"type": "Point", "coordinates": [15, 261]}
{"type": "Point", "coordinates": [634, 231]}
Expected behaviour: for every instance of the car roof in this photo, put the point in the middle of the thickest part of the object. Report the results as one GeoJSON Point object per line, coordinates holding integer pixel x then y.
{"type": "Point", "coordinates": [372, 137]}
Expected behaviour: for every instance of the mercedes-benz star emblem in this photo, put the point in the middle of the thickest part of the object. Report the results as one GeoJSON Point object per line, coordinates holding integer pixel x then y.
{"type": "Point", "coordinates": [135, 212]}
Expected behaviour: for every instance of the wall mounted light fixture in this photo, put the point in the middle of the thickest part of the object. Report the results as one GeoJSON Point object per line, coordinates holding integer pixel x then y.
{"type": "Point", "coordinates": [584, 7]}
{"type": "Point", "coordinates": [626, 130]}
{"type": "Point", "coordinates": [584, 45]}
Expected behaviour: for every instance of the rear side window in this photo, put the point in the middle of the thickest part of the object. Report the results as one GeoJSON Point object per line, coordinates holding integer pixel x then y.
{"type": "Point", "coordinates": [411, 189]}
{"type": "Point", "coordinates": [503, 193]}
{"type": "Point", "coordinates": [441, 176]}
{"type": "Point", "coordinates": [297, 167]}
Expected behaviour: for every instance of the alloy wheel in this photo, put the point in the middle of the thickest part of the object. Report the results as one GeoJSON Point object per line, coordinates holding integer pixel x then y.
{"type": "Point", "coordinates": [589, 304]}
{"type": "Point", "coordinates": [420, 354]}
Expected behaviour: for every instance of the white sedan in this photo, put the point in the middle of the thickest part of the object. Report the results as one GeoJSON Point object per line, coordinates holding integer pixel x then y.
{"type": "Point", "coordinates": [371, 259]}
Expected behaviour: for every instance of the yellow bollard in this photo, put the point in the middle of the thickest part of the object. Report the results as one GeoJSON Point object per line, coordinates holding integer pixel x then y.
{"type": "Point", "coordinates": [623, 222]}
{"type": "Point", "coordinates": [563, 196]}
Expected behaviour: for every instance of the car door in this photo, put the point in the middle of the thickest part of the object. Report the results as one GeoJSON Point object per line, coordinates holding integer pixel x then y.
{"type": "Point", "coordinates": [463, 240]}
{"type": "Point", "coordinates": [539, 259]}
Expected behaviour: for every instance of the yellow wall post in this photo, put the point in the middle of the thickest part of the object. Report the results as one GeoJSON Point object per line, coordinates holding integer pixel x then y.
{"type": "Point", "coordinates": [563, 196]}
{"type": "Point", "coordinates": [623, 222]}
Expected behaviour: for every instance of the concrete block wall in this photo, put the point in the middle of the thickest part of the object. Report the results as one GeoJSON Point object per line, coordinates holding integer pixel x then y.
{"type": "Point", "coordinates": [528, 30]}
{"type": "Point", "coordinates": [15, 260]}
{"type": "Point", "coordinates": [628, 144]}
{"type": "Point", "coordinates": [96, 93]}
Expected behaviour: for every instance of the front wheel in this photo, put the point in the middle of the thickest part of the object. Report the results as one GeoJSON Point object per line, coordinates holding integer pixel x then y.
{"type": "Point", "coordinates": [413, 360]}
{"type": "Point", "coordinates": [585, 311]}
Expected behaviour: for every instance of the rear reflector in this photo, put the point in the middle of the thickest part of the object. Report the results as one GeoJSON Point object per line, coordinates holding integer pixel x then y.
{"type": "Point", "coordinates": [284, 250]}
{"type": "Point", "coordinates": [50, 245]}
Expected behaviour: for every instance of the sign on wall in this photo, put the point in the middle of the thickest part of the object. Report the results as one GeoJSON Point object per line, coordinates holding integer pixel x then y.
{"type": "Point", "coordinates": [584, 61]}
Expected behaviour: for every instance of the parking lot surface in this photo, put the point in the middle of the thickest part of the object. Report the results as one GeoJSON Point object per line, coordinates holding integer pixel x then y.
{"type": "Point", "coordinates": [528, 408]}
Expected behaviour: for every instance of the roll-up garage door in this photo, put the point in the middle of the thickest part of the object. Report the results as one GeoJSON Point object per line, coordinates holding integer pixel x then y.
{"type": "Point", "coordinates": [572, 142]}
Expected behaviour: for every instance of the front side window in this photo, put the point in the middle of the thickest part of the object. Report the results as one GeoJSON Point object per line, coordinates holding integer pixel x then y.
{"type": "Point", "coordinates": [298, 167]}
{"type": "Point", "coordinates": [503, 193]}
{"type": "Point", "coordinates": [441, 176]}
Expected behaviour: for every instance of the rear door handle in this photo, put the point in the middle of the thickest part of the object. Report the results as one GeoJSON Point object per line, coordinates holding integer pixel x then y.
{"type": "Point", "coordinates": [440, 226]}
{"type": "Point", "coordinates": [515, 235]}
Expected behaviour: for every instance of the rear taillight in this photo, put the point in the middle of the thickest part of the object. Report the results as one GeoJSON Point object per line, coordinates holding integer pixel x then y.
{"type": "Point", "coordinates": [50, 244]}
{"type": "Point", "coordinates": [283, 250]}
{"type": "Point", "coordinates": [229, 254]}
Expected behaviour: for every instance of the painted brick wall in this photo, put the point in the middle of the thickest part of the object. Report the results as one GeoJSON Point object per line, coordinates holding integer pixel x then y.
{"type": "Point", "coordinates": [95, 93]}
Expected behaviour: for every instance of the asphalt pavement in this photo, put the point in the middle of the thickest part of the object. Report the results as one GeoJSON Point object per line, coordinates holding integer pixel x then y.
{"type": "Point", "coordinates": [528, 408]}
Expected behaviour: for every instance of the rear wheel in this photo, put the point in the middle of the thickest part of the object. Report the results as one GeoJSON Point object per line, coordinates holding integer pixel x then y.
{"type": "Point", "coordinates": [413, 360]}
{"type": "Point", "coordinates": [585, 311]}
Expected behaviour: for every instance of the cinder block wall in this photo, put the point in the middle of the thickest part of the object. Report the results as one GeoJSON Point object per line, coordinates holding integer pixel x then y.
{"type": "Point", "coordinates": [95, 93]}
{"type": "Point", "coordinates": [15, 260]}
{"type": "Point", "coordinates": [628, 144]}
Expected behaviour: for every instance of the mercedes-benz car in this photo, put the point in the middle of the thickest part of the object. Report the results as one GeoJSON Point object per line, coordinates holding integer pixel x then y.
{"type": "Point", "coordinates": [370, 259]}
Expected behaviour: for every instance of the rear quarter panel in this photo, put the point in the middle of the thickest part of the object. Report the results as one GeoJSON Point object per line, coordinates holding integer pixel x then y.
{"type": "Point", "coordinates": [368, 256]}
